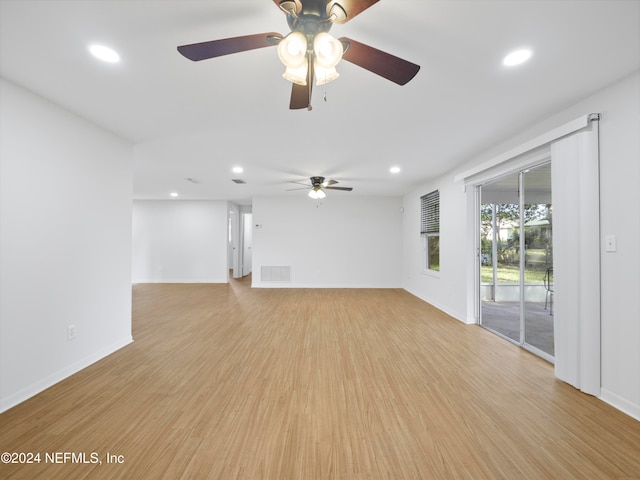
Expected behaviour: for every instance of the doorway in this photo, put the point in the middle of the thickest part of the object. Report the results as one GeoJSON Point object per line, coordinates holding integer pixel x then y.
{"type": "Point", "coordinates": [516, 258]}
{"type": "Point", "coordinates": [240, 238]}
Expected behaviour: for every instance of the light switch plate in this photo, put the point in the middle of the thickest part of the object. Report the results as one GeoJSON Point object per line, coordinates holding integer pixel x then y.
{"type": "Point", "coordinates": [610, 243]}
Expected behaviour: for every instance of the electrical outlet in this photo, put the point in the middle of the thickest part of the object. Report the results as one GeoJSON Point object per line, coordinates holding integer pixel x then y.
{"type": "Point", "coordinates": [71, 332]}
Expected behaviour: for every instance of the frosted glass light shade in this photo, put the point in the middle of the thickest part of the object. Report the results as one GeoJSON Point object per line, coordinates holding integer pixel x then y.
{"type": "Point", "coordinates": [296, 75]}
{"type": "Point", "coordinates": [292, 50]}
{"type": "Point", "coordinates": [317, 194]}
{"type": "Point", "coordinates": [325, 75]}
{"type": "Point", "coordinates": [328, 51]}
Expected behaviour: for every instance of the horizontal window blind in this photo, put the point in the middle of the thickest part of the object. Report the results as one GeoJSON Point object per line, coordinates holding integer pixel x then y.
{"type": "Point", "coordinates": [430, 212]}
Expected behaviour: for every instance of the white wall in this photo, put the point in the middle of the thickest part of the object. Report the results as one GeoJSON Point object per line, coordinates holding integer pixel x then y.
{"type": "Point", "coordinates": [445, 289]}
{"type": "Point", "coordinates": [349, 242]}
{"type": "Point", "coordinates": [65, 243]}
{"type": "Point", "coordinates": [180, 241]}
{"type": "Point", "coordinates": [619, 105]}
{"type": "Point", "coordinates": [620, 216]}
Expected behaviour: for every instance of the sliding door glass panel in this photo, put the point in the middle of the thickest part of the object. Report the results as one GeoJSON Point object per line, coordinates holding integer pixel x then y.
{"type": "Point", "coordinates": [500, 257]}
{"type": "Point", "coordinates": [538, 259]}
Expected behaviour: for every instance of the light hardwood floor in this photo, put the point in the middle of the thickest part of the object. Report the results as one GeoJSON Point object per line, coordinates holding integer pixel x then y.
{"type": "Point", "coordinates": [227, 382]}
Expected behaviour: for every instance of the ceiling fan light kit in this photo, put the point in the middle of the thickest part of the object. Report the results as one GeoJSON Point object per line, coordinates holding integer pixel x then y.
{"type": "Point", "coordinates": [317, 193]}
{"type": "Point", "coordinates": [309, 52]}
{"type": "Point", "coordinates": [292, 50]}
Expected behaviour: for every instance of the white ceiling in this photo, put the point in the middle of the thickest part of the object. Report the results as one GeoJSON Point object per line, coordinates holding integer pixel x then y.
{"type": "Point", "coordinates": [199, 119]}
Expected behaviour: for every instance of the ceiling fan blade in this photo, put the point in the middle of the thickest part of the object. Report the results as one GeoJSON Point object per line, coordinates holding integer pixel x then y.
{"type": "Point", "coordinates": [301, 94]}
{"type": "Point", "coordinates": [329, 182]}
{"type": "Point", "coordinates": [345, 10]}
{"type": "Point", "coordinates": [348, 189]}
{"type": "Point", "coordinates": [381, 63]}
{"type": "Point", "coordinates": [226, 46]}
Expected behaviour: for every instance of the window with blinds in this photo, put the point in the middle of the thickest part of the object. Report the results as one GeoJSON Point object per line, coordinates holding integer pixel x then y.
{"type": "Point", "coordinates": [430, 230]}
{"type": "Point", "coordinates": [430, 212]}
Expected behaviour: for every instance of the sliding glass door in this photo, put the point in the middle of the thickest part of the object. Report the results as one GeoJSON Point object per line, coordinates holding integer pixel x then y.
{"type": "Point", "coordinates": [538, 259]}
{"type": "Point", "coordinates": [500, 257]}
{"type": "Point", "coordinates": [516, 259]}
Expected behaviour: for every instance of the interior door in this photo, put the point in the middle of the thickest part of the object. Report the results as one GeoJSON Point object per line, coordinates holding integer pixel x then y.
{"type": "Point", "coordinates": [234, 242]}
{"type": "Point", "coordinates": [247, 244]}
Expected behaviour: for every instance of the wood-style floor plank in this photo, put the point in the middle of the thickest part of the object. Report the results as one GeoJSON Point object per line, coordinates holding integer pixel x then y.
{"type": "Point", "coordinates": [229, 382]}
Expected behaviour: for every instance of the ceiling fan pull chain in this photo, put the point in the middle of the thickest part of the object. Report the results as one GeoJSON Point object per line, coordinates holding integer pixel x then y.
{"type": "Point", "coordinates": [325, 86]}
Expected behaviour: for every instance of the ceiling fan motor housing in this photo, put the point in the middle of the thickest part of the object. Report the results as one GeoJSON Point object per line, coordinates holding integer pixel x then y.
{"type": "Point", "coordinates": [311, 20]}
{"type": "Point", "coordinates": [317, 181]}
{"type": "Point", "coordinates": [309, 26]}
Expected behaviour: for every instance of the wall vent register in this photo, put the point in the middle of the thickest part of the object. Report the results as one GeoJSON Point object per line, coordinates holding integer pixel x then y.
{"type": "Point", "coordinates": [275, 274]}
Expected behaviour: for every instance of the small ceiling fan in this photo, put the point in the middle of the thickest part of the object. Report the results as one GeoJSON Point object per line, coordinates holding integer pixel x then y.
{"type": "Point", "coordinates": [318, 185]}
{"type": "Point", "coordinates": [308, 51]}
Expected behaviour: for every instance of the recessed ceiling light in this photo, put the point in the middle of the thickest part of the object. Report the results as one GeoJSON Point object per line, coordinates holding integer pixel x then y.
{"type": "Point", "coordinates": [105, 54]}
{"type": "Point", "coordinates": [174, 194]}
{"type": "Point", "coordinates": [394, 169]}
{"type": "Point", "coordinates": [237, 170]}
{"type": "Point", "coordinates": [517, 57]}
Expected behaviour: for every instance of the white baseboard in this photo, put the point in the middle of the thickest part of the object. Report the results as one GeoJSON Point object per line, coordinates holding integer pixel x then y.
{"type": "Point", "coordinates": [49, 381]}
{"type": "Point", "coordinates": [457, 315]}
{"type": "Point", "coordinates": [620, 403]}
{"type": "Point", "coordinates": [274, 284]}
{"type": "Point", "coordinates": [138, 281]}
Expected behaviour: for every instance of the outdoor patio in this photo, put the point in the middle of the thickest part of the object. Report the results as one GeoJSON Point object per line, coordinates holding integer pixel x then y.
{"type": "Point", "coordinates": [504, 318]}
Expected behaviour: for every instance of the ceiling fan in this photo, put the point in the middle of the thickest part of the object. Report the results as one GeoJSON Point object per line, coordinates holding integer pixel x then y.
{"type": "Point", "coordinates": [318, 185]}
{"type": "Point", "coordinates": [308, 51]}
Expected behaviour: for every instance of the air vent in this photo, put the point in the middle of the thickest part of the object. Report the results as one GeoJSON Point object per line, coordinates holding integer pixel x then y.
{"type": "Point", "coordinates": [275, 274]}
{"type": "Point", "coordinates": [238, 180]}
